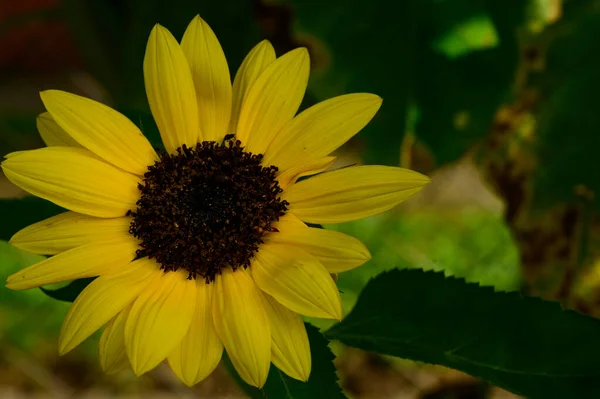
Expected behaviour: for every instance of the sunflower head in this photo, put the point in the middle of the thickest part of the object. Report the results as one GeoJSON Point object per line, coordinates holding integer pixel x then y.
{"type": "Point", "coordinates": [208, 245]}
{"type": "Point", "coordinates": [220, 200]}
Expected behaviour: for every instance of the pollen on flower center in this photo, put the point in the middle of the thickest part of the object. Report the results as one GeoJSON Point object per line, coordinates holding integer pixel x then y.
{"type": "Point", "coordinates": [206, 208]}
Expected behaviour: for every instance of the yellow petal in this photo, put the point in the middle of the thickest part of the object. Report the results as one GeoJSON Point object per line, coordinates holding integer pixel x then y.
{"type": "Point", "coordinates": [88, 260]}
{"type": "Point", "coordinates": [159, 319]}
{"type": "Point", "coordinates": [289, 346]}
{"type": "Point", "coordinates": [352, 193]}
{"type": "Point", "coordinates": [273, 100]}
{"type": "Point", "coordinates": [296, 280]}
{"type": "Point", "coordinates": [211, 79]}
{"type": "Point", "coordinates": [74, 179]}
{"type": "Point", "coordinates": [67, 230]}
{"type": "Point", "coordinates": [52, 134]}
{"type": "Point", "coordinates": [321, 129]}
{"type": "Point", "coordinates": [102, 300]}
{"type": "Point", "coordinates": [336, 251]}
{"type": "Point", "coordinates": [257, 60]}
{"type": "Point", "coordinates": [102, 130]}
{"type": "Point", "coordinates": [242, 325]}
{"type": "Point", "coordinates": [305, 168]}
{"type": "Point", "coordinates": [111, 347]}
{"type": "Point", "coordinates": [170, 90]}
{"type": "Point", "coordinates": [200, 351]}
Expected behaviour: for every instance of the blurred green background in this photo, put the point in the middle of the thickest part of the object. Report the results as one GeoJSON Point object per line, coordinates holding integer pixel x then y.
{"type": "Point", "coordinates": [495, 99]}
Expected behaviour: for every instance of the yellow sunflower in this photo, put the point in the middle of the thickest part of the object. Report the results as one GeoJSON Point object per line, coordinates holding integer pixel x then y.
{"type": "Point", "coordinates": [206, 246]}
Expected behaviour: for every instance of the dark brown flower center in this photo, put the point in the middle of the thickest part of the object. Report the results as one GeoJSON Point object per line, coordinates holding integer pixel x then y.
{"type": "Point", "coordinates": [206, 208]}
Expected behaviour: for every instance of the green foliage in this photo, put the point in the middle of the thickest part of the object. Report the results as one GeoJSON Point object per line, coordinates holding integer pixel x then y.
{"type": "Point", "coordinates": [475, 245]}
{"type": "Point", "coordinates": [115, 55]}
{"type": "Point", "coordinates": [21, 212]}
{"type": "Point", "coordinates": [400, 61]}
{"type": "Point", "coordinates": [458, 97]}
{"type": "Point", "coordinates": [322, 382]}
{"type": "Point", "coordinates": [460, 113]}
{"type": "Point", "coordinates": [11, 261]}
{"type": "Point", "coordinates": [69, 292]}
{"type": "Point", "coordinates": [567, 113]}
{"type": "Point", "coordinates": [26, 317]}
{"type": "Point", "coordinates": [476, 33]}
{"type": "Point", "coordinates": [526, 345]}
{"type": "Point", "coordinates": [363, 62]}
{"type": "Point", "coordinates": [143, 120]}
{"type": "Point", "coordinates": [18, 132]}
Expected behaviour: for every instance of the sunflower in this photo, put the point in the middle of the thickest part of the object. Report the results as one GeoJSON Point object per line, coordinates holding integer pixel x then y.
{"type": "Point", "coordinates": [205, 246]}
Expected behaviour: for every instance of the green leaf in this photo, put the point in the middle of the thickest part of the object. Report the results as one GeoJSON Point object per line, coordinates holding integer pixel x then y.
{"type": "Point", "coordinates": [526, 345]}
{"type": "Point", "coordinates": [18, 213]}
{"type": "Point", "coordinates": [321, 384]}
{"type": "Point", "coordinates": [69, 292]}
